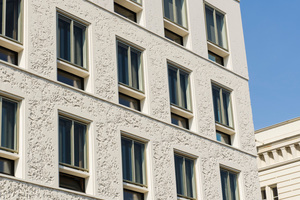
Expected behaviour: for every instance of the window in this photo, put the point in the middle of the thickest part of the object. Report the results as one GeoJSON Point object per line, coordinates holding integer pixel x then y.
{"type": "Point", "coordinates": [179, 121]}
{"type": "Point", "coordinates": [215, 26]}
{"type": "Point", "coordinates": [175, 11]}
{"type": "Point", "coordinates": [131, 195]}
{"type": "Point", "coordinates": [223, 137]}
{"type": "Point", "coordinates": [263, 194]}
{"type": "Point", "coordinates": [129, 66]}
{"type": "Point", "coordinates": [222, 106]}
{"type": "Point", "coordinates": [10, 14]}
{"type": "Point", "coordinates": [174, 37]}
{"type": "Point", "coordinates": [125, 12]}
{"type": "Point", "coordinates": [8, 56]}
{"type": "Point", "coordinates": [229, 185]}
{"type": "Point", "coordinates": [72, 45]}
{"type": "Point", "coordinates": [71, 182]}
{"type": "Point", "coordinates": [185, 177]}
{"type": "Point", "coordinates": [7, 166]}
{"type": "Point", "coordinates": [129, 101]}
{"type": "Point", "coordinates": [275, 193]}
{"type": "Point", "coordinates": [216, 58]}
{"type": "Point", "coordinates": [70, 79]}
{"type": "Point", "coordinates": [179, 88]}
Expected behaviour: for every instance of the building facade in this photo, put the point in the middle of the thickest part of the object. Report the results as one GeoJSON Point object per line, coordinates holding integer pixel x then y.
{"type": "Point", "coordinates": [279, 160]}
{"type": "Point", "coordinates": [125, 99]}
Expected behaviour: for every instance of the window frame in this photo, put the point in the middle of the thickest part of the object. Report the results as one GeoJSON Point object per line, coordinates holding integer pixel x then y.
{"type": "Point", "coordinates": [73, 19]}
{"type": "Point", "coordinates": [215, 25]}
{"type": "Point", "coordinates": [140, 70]}
{"type": "Point", "coordinates": [133, 163]}
{"type": "Point", "coordinates": [228, 185]}
{"type": "Point", "coordinates": [17, 114]}
{"type": "Point", "coordinates": [86, 153]}
{"type": "Point", "coordinates": [175, 14]}
{"type": "Point", "coordinates": [127, 10]}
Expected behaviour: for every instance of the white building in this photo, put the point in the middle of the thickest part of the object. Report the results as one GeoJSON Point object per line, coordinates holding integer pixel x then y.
{"type": "Point", "coordinates": [131, 99]}
{"type": "Point", "coordinates": [279, 160]}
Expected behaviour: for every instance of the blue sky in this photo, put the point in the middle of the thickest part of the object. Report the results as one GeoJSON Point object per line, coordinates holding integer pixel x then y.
{"type": "Point", "coordinates": [272, 38]}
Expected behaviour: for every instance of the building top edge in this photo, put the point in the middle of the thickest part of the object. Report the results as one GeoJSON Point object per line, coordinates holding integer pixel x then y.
{"type": "Point", "coordinates": [277, 125]}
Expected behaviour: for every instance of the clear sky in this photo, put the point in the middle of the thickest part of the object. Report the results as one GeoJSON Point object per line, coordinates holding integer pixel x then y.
{"type": "Point", "coordinates": [272, 38]}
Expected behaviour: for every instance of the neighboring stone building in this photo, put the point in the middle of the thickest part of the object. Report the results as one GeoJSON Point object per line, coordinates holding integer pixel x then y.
{"type": "Point", "coordinates": [279, 160]}
{"type": "Point", "coordinates": [132, 99]}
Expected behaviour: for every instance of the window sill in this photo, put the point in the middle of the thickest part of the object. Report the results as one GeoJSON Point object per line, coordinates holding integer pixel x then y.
{"type": "Point", "coordinates": [72, 69]}
{"type": "Point", "coordinates": [224, 129]}
{"type": "Point", "coordinates": [217, 50]}
{"type": "Point", "coordinates": [9, 44]}
{"type": "Point", "coordinates": [9, 155]}
{"type": "Point", "coordinates": [74, 172]}
{"type": "Point", "coordinates": [175, 28]}
{"type": "Point", "coordinates": [181, 112]}
{"type": "Point", "coordinates": [135, 7]}
{"type": "Point", "coordinates": [135, 188]}
{"type": "Point", "coordinates": [131, 92]}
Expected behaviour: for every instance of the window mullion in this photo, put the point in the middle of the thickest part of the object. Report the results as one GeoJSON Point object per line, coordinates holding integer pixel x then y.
{"type": "Point", "coordinates": [133, 162]}
{"type": "Point", "coordinates": [184, 178]}
{"type": "Point", "coordinates": [129, 67]}
{"type": "Point", "coordinates": [216, 30]}
{"type": "Point", "coordinates": [72, 52]}
{"type": "Point", "coordinates": [178, 89]}
{"type": "Point", "coordinates": [3, 17]}
{"type": "Point", "coordinates": [174, 12]}
{"type": "Point", "coordinates": [222, 107]}
{"type": "Point", "coordinates": [72, 144]}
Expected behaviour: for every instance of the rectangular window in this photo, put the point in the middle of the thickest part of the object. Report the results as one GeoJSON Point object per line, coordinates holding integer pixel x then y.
{"type": "Point", "coordinates": [229, 185]}
{"type": "Point", "coordinates": [125, 12]}
{"type": "Point", "coordinates": [72, 143]}
{"type": "Point", "coordinates": [71, 182]}
{"type": "Point", "coordinates": [130, 66]}
{"type": "Point", "coordinates": [223, 137]}
{"type": "Point", "coordinates": [175, 10]}
{"type": "Point", "coordinates": [216, 58]}
{"type": "Point", "coordinates": [179, 121]}
{"type": "Point", "coordinates": [179, 87]}
{"type": "Point", "coordinates": [10, 14]}
{"type": "Point", "coordinates": [215, 27]}
{"type": "Point", "coordinates": [185, 177]}
{"type": "Point", "coordinates": [275, 193]}
{"type": "Point", "coordinates": [133, 162]}
{"type": "Point", "coordinates": [131, 195]}
{"type": "Point", "coordinates": [263, 194]}
{"type": "Point", "coordinates": [72, 41]}
{"type": "Point", "coordinates": [8, 56]}
{"type": "Point", "coordinates": [222, 106]}
{"type": "Point", "coordinates": [70, 79]}
{"type": "Point", "coordinates": [129, 101]}
{"type": "Point", "coordinates": [7, 166]}
{"type": "Point", "coordinates": [174, 37]}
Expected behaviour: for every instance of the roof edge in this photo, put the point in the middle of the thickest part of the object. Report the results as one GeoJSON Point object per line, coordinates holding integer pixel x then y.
{"type": "Point", "coordinates": [277, 125]}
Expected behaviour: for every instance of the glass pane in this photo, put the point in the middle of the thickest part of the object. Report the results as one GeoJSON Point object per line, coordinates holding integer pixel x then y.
{"type": "Point", "coordinates": [168, 9]}
{"type": "Point", "coordinates": [8, 56]}
{"type": "Point", "coordinates": [135, 66]}
{"type": "Point", "coordinates": [180, 12]}
{"type": "Point", "coordinates": [263, 194]}
{"type": "Point", "coordinates": [217, 104]}
{"type": "Point", "coordinates": [173, 36]}
{"type": "Point", "coordinates": [189, 167]}
{"type": "Point", "coordinates": [227, 108]}
{"type": "Point", "coordinates": [139, 163]}
{"type": "Point", "coordinates": [131, 195]}
{"type": "Point", "coordinates": [233, 186]}
{"type": "Point", "coordinates": [225, 186]}
{"type": "Point", "coordinates": [173, 85]}
{"type": "Point", "coordinates": [70, 79]}
{"type": "Point", "coordinates": [1, 13]}
{"type": "Point", "coordinates": [64, 39]}
{"type": "Point", "coordinates": [221, 30]}
{"type": "Point", "coordinates": [275, 193]}
{"type": "Point", "coordinates": [129, 101]}
{"type": "Point", "coordinates": [65, 127]}
{"type": "Point", "coordinates": [7, 166]}
{"type": "Point", "coordinates": [71, 182]}
{"type": "Point", "coordinates": [210, 24]}
{"type": "Point", "coordinates": [125, 12]}
{"type": "Point", "coordinates": [214, 57]}
{"type": "Point", "coordinates": [79, 145]}
{"type": "Point", "coordinates": [179, 174]}
{"type": "Point", "coordinates": [127, 159]}
{"type": "Point", "coordinates": [184, 79]}
{"type": "Point", "coordinates": [179, 121]}
{"type": "Point", "coordinates": [12, 15]}
{"type": "Point", "coordinates": [123, 63]}
{"type": "Point", "coordinates": [79, 36]}
{"type": "Point", "coordinates": [8, 124]}
{"type": "Point", "coordinates": [222, 137]}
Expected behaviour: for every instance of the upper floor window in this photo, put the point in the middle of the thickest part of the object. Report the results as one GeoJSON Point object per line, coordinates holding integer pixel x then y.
{"type": "Point", "coordinates": [222, 106]}
{"type": "Point", "coordinates": [125, 12]}
{"type": "Point", "coordinates": [10, 18]}
{"type": "Point", "coordinates": [185, 177]}
{"type": "Point", "coordinates": [215, 26]}
{"type": "Point", "coordinates": [230, 190]}
{"type": "Point", "coordinates": [274, 193]}
{"type": "Point", "coordinates": [179, 87]}
{"type": "Point", "coordinates": [72, 45]}
{"type": "Point", "coordinates": [175, 10]}
{"type": "Point", "coordinates": [8, 56]}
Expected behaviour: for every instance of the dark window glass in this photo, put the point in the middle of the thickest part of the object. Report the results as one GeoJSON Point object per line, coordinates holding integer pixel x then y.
{"type": "Point", "coordinates": [173, 85]}
{"type": "Point", "coordinates": [71, 182]}
{"type": "Point", "coordinates": [79, 144]}
{"type": "Point", "coordinates": [175, 10]}
{"type": "Point", "coordinates": [125, 12]}
{"type": "Point", "coordinates": [217, 104]}
{"type": "Point", "coordinates": [1, 13]}
{"type": "Point", "coordinates": [263, 194]}
{"type": "Point", "coordinates": [8, 124]}
{"type": "Point", "coordinates": [8, 56]}
{"type": "Point", "coordinates": [127, 159]}
{"type": "Point", "coordinates": [173, 36]}
{"type": "Point", "coordinates": [210, 25]}
{"type": "Point", "coordinates": [12, 15]}
{"type": "Point", "coordinates": [229, 185]}
{"type": "Point", "coordinates": [64, 38]}
{"type": "Point", "coordinates": [168, 9]}
{"type": "Point", "coordinates": [222, 137]}
{"type": "Point", "coordinates": [70, 79]}
{"type": "Point", "coordinates": [135, 65]}
{"type": "Point", "coordinates": [184, 171]}
{"type": "Point", "coordinates": [129, 101]}
{"type": "Point", "coordinates": [275, 193]}
{"type": "Point", "coordinates": [131, 195]}
{"type": "Point", "coordinates": [123, 63]}
{"type": "Point", "coordinates": [214, 57]}
{"type": "Point", "coordinates": [65, 128]}
{"type": "Point", "coordinates": [7, 166]}
{"type": "Point", "coordinates": [139, 162]}
{"type": "Point", "coordinates": [179, 121]}
{"type": "Point", "coordinates": [78, 44]}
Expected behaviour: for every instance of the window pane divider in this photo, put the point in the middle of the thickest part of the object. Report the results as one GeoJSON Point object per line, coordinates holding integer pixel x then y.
{"type": "Point", "coordinates": [129, 66]}
{"type": "Point", "coordinates": [179, 98]}
{"type": "Point", "coordinates": [133, 161]}
{"type": "Point", "coordinates": [72, 53]}
{"type": "Point", "coordinates": [72, 144]}
{"type": "Point", "coordinates": [3, 17]}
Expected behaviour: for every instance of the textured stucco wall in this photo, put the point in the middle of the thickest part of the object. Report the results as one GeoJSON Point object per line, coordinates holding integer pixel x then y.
{"type": "Point", "coordinates": [43, 98]}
